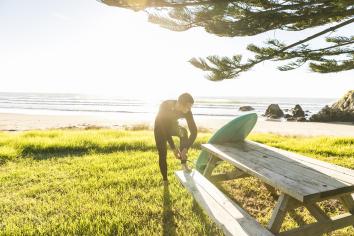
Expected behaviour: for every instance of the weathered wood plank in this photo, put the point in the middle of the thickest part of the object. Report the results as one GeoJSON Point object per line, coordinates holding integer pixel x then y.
{"type": "Point", "coordinates": [348, 202]}
{"type": "Point", "coordinates": [317, 212]}
{"type": "Point", "coordinates": [310, 173]}
{"type": "Point", "coordinates": [338, 172]}
{"type": "Point", "coordinates": [331, 171]}
{"type": "Point", "coordinates": [279, 213]}
{"type": "Point", "coordinates": [228, 215]}
{"type": "Point", "coordinates": [322, 227]}
{"type": "Point", "coordinates": [272, 190]}
{"type": "Point", "coordinates": [210, 166]}
{"type": "Point", "coordinates": [290, 176]}
{"type": "Point", "coordinates": [249, 166]}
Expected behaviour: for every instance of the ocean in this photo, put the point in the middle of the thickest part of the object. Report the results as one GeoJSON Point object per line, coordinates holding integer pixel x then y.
{"type": "Point", "coordinates": [66, 104]}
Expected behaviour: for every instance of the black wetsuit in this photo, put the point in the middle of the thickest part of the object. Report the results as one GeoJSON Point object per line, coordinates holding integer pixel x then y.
{"type": "Point", "coordinates": [166, 126]}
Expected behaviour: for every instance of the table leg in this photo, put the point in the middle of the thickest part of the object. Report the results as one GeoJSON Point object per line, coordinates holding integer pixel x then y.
{"type": "Point", "coordinates": [299, 220]}
{"type": "Point", "coordinates": [272, 190]}
{"type": "Point", "coordinates": [279, 213]}
{"type": "Point", "coordinates": [324, 223]}
{"type": "Point", "coordinates": [317, 212]}
{"type": "Point", "coordinates": [319, 228]}
{"type": "Point", "coordinates": [348, 202]}
{"type": "Point", "coordinates": [210, 166]}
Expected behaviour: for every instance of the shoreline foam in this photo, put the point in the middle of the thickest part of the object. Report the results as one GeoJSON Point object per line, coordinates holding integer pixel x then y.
{"type": "Point", "coordinates": [22, 122]}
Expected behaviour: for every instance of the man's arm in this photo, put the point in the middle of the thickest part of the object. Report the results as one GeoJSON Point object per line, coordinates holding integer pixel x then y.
{"type": "Point", "coordinates": [192, 129]}
{"type": "Point", "coordinates": [170, 142]}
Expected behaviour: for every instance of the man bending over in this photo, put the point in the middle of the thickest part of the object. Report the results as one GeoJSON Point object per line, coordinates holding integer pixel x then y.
{"type": "Point", "coordinates": [166, 126]}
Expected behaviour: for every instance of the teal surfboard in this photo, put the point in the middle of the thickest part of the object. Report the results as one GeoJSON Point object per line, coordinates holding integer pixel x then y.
{"type": "Point", "coordinates": [234, 131]}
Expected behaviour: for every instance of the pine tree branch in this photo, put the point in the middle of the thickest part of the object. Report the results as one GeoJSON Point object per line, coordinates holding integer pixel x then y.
{"type": "Point", "coordinates": [158, 4]}
{"type": "Point", "coordinates": [247, 66]}
{"type": "Point", "coordinates": [331, 47]}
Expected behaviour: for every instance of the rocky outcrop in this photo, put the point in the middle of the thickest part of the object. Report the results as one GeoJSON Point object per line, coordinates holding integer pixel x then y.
{"type": "Point", "coordinates": [297, 114]}
{"type": "Point", "coordinates": [246, 108]}
{"type": "Point", "coordinates": [301, 119]}
{"type": "Point", "coordinates": [346, 103]}
{"type": "Point", "coordinates": [297, 111]}
{"type": "Point", "coordinates": [274, 111]}
{"type": "Point", "coordinates": [328, 114]}
{"type": "Point", "coordinates": [342, 110]}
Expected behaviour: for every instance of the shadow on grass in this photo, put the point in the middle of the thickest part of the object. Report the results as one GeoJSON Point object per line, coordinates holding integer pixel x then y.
{"type": "Point", "coordinates": [210, 228]}
{"type": "Point", "coordinates": [168, 226]}
{"type": "Point", "coordinates": [42, 153]}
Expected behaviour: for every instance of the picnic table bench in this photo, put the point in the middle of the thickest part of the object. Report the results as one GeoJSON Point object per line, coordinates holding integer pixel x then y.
{"type": "Point", "coordinates": [301, 181]}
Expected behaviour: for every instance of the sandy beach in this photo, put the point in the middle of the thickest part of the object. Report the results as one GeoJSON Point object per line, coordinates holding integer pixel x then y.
{"type": "Point", "coordinates": [20, 122]}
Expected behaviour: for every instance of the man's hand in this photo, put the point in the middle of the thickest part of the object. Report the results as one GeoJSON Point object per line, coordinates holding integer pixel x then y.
{"type": "Point", "coordinates": [184, 154]}
{"type": "Point", "coordinates": [177, 153]}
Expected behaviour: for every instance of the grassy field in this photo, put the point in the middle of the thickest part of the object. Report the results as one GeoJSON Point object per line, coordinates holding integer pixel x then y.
{"type": "Point", "coordinates": [107, 182]}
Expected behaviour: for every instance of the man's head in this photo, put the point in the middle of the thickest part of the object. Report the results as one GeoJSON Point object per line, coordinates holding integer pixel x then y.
{"type": "Point", "coordinates": [185, 102]}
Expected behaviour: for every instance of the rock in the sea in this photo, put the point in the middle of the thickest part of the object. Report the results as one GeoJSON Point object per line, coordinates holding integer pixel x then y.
{"type": "Point", "coordinates": [246, 108]}
{"type": "Point", "coordinates": [290, 119]}
{"type": "Point", "coordinates": [286, 116]}
{"type": "Point", "coordinates": [297, 111]}
{"type": "Point", "coordinates": [274, 111]}
{"type": "Point", "coordinates": [301, 119]}
{"type": "Point", "coordinates": [342, 110]}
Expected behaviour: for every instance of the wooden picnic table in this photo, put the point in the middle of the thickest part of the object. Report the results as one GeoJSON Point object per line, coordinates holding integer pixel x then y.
{"type": "Point", "coordinates": [302, 181]}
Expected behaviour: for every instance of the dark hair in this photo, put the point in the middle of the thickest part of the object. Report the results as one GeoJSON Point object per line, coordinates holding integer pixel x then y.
{"type": "Point", "coordinates": [185, 98]}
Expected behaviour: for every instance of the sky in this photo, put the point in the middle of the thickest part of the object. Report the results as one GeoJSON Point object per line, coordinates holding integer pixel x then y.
{"type": "Point", "coordinates": [85, 46]}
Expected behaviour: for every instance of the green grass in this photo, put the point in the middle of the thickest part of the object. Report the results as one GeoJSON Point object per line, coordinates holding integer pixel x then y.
{"type": "Point", "coordinates": [108, 182]}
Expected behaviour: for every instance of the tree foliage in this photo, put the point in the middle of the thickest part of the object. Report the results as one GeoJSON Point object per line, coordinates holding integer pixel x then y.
{"type": "Point", "coordinates": [230, 18]}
